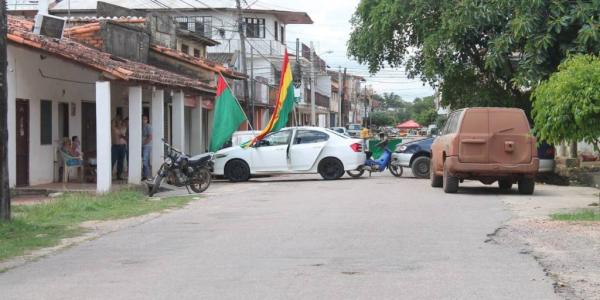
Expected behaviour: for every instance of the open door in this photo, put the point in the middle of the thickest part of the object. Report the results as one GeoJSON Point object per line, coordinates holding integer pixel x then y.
{"type": "Point", "coordinates": [305, 149]}
{"type": "Point", "coordinates": [22, 137]}
{"type": "Point", "coordinates": [88, 129]}
{"type": "Point", "coordinates": [270, 155]}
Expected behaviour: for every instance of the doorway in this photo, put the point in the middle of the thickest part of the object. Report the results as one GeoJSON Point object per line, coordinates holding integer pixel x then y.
{"type": "Point", "coordinates": [22, 138]}
{"type": "Point", "coordinates": [88, 129]}
{"type": "Point", "coordinates": [63, 119]}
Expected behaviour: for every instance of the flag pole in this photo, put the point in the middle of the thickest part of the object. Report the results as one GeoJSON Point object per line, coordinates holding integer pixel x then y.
{"type": "Point", "coordinates": [238, 102]}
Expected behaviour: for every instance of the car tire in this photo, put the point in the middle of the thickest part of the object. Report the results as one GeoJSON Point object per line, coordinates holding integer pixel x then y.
{"type": "Point", "coordinates": [355, 173]}
{"type": "Point", "coordinates": [436, 181]}
{"type": "Point", "coordinates": [505, 184]}
{"type": "Point", "coordinates": [331, 168]}
{"type": "Point", "coordinates": [526, 186]}
{"type": "Point", "coordinates": [237, 170]}
{"type": "Point", "coordinates": [421, 167]}
{"type": "Point", "coordinates": [450, 182]}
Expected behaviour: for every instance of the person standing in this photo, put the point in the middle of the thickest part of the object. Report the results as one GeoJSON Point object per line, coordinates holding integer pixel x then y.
{"type": "Point", "coordinates": [146, 147]}
{"type": "Point", "coordinates": [119, 146]}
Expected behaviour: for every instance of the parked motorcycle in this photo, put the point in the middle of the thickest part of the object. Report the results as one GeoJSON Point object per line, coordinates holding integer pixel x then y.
{"type": "Point", "coordinates": [379, 164]}
{"type": "Point", "coordinates": [181, 170]}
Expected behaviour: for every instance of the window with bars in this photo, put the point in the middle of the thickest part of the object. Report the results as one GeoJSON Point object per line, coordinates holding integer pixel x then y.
{"type": "Point", "coordinates": [255, 28]}
{"type": "Point", "coordinates": [185, 48]}
{"type": "Point", "coordinates": [196, 52]}
{"type": "Point", "coordinates": [201, 25]}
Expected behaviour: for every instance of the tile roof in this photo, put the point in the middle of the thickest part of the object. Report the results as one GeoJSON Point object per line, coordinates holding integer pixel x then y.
{"type": "Point", "coordinates": [19, 32]}
{"type": "Point", "coordinates": [89, 34]}
{"type": "Point", "coordinates": [203, 63]}
{"type": "Point", "coordinates": [223, 57]}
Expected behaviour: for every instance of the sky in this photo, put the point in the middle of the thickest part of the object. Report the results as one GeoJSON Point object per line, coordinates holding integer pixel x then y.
{"type": "Point", "coordinates": [331, 31]}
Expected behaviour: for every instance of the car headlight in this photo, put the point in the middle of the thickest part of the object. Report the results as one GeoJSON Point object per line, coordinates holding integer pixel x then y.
{"type": "Point", "coordinates": [401, 148]}
{"type": "Point", "coordinates": [220, 155]}
{"type": "Point", "coordinates": [168, 161]}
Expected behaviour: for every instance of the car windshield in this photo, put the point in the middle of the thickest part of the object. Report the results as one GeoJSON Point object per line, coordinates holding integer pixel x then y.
{"type": "Point", "coordinates": [354, 127]}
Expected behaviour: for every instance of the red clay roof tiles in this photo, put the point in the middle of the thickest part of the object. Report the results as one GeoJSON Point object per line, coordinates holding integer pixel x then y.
{"type": "Point", "coordinates": [19, 32]}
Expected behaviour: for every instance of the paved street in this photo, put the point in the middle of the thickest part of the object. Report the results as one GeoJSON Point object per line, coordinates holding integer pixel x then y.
{"type": "Point", "coordinates": [298, 237]}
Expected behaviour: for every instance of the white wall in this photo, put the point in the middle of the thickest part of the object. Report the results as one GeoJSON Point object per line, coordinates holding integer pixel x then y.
{"type": "Point", "coordinates": [26, 82]}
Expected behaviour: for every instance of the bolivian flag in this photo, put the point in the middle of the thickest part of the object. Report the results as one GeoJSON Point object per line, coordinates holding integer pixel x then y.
{"type": "Point", "coordinates": [284, 105]}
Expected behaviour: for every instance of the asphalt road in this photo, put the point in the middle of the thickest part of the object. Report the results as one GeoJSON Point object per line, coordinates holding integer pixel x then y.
{"type": "Point", "coordinates": [298, 237]}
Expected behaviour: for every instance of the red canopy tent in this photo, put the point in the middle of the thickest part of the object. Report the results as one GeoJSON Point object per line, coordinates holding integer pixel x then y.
{"type": "Point", "coordinates": [410, 124]}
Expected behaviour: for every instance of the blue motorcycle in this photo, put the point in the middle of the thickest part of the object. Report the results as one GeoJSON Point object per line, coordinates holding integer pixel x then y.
{"type": "Point", "coordinates": [378, 165]}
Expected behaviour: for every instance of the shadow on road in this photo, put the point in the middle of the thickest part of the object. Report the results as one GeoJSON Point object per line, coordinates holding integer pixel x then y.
{"type": "Point", "coordinates": [489, 190]}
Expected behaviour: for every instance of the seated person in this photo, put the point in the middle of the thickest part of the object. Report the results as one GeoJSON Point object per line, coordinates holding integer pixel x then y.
{"type": "Point", "coordinates": [66, 151]}
{"type": "Point", "coordinates": [75, 147]}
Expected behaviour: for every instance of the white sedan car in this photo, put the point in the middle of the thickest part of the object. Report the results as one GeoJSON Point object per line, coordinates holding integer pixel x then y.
{"type": "Point", "coordinates": [292, 150]}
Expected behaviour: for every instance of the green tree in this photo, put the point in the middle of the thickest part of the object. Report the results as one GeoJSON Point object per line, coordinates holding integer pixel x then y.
{"type": "Point", "coordinates": [382, 118]}
{"type": "Point", "coordinates": [566, 107]}
{"type": "Point", "coordinates": [479, 53]}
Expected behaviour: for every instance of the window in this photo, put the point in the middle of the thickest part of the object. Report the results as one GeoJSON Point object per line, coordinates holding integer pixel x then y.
{"type": "Point", "coordinates": [196, 52]}
{"type": "Point", "coordinates": [201, 25]}
{"type": "Point", "coordinates": [277, 138]}
{"type": "Point", "coordinates": [276, 31]}
{"type": "Point", "coordinates": [310, 137]}
{"type": "Point", "coordinates": [452, 124]}
{"type": "Point", "coordinates": [185, 49]}
{"type": "Point", "coordinates": [46, 122]}
{"type": "Point", "coordinates": [255, 28]}
{"type": "Point", "coordinates": [282, 35]}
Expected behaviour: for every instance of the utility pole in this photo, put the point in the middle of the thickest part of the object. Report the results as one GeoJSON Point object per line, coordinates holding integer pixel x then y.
{"type": "Point", "coordinates": [343, 95]}
{"type": "Point", "coordinates": [243, 61]}
{"type": "Point", "coordinates": [313, 85]}
{"type": "Point", "coordinates": [252, 87]}
{"type": "Point", "coordinates": [4, 189]}
{"type": "Point", "coordinates": [298, 80]}
{"type": "Point", "coordinates": [340, 93]}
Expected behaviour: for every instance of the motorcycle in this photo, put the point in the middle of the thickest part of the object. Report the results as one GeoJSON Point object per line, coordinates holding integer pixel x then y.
{"type": "Point", "coordinates": [378, 165]}
{"type": "Point", "coordinates": [181, 170]}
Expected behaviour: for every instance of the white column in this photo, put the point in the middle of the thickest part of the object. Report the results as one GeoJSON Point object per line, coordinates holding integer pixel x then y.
{"type": "Point", "coordinates": [158, 128]}
{"type": "Point", "coordinates": [103, 141]}
{"type": "Point", "coordinates": [12, 123]}
{"type": "Point", "coordinates": [135, 135]}
{"type": "Point", "coordinates": [179, 121]}
{"type": "Point", "coordinates": [197, 131]}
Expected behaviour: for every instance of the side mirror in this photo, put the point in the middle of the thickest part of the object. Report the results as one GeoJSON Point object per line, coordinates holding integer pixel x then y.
{"type": "Point", "coordinates": [261, 143]}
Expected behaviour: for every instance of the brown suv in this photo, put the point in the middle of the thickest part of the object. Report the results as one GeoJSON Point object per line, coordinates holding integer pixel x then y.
{"type": "Point", "coordinates": [486, 144]}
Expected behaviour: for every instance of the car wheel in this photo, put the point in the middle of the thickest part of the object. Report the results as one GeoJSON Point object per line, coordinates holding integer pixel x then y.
{"type": "Point", "coordinates": [355, 173]}
{"type": "Point", "coordinates": [331, 168]}
{"type": "Point", "coordinates": [420, 167]}
{"type": "Point", "coordinates": [396, 170]}
{"type": "Point", "coordinates": [450, 182]}
{"type": "Point", "coordinates": [505, 184]}
{"type": "Point", "coordinates": [436, 181]}
{"type": "Point", "coordinates": [526, 186]}
{"type": "Point", "coordinates": [237, 171]}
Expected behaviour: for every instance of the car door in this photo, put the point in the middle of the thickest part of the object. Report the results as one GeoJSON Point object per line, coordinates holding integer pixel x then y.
{"type": "Point", "coordinates": [270, 154]}
{"type": "Point", "coordinates": [306, 147]}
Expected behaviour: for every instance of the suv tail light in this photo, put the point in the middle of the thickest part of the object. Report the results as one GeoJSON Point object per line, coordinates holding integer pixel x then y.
{"type": "Point", "coordinates": [356, 147]}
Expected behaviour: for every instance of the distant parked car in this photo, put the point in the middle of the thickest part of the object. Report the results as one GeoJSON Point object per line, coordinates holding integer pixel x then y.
{"type": "Point", "coordinates": [354, 130]}
{"type": "Point", "coordinates": [341, 130]}
{"type": "Point", "coordinates": [485, 144]}
{"type": "Point", "coordinates": [546, 153]}
{"type": "Point", "coordinates": [293, 150]}
{"type": "Point", "coordinates": [415, 155]}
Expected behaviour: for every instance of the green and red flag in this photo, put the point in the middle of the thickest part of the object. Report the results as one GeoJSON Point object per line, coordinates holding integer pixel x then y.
{"type": "Point", "coordinates": [284, 105]}
{"type": "Point", "coordinates": [228, 115]}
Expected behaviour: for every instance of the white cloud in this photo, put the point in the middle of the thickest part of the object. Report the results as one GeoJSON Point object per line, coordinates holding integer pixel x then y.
{"type": "Point", "coordinates": [331, 31]}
